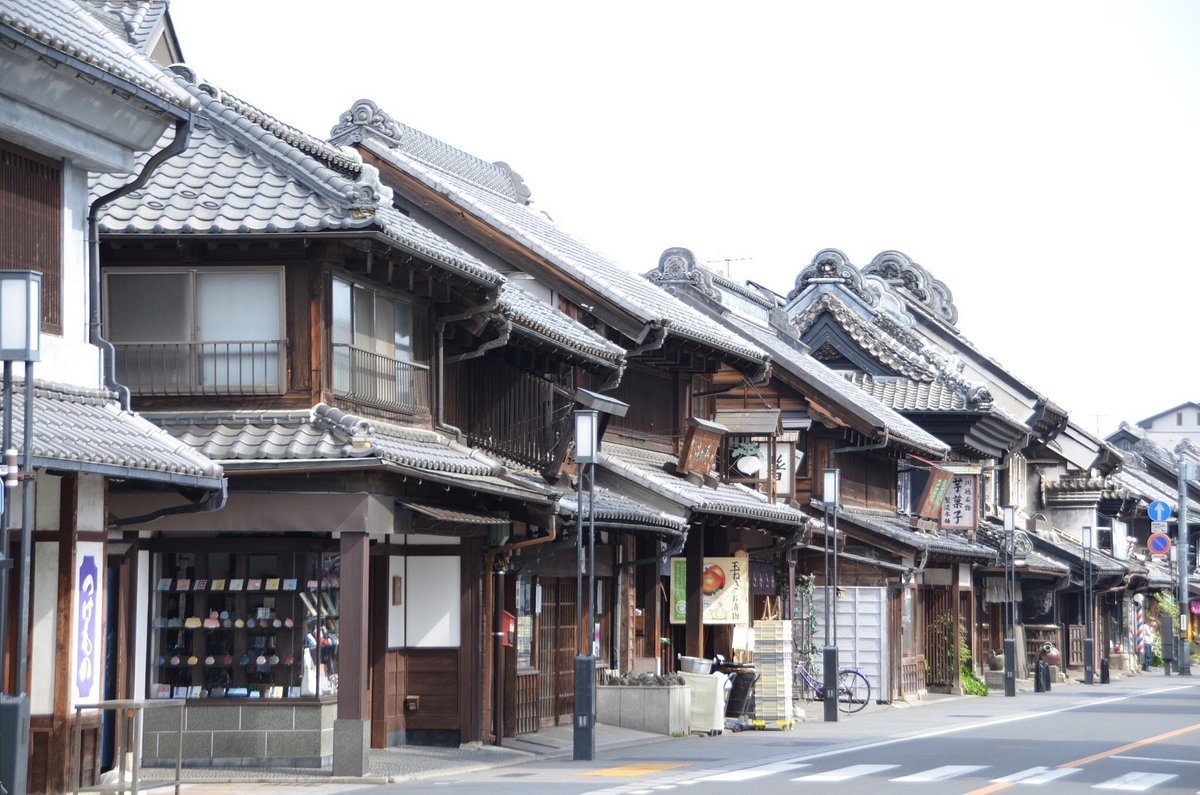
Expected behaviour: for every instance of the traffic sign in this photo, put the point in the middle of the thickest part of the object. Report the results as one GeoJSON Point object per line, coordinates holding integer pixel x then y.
{"type": "Point", "coordinates": [1158, 527]}
{"type": "Point", "coordinates": [1159, 543]}
{"type": "Point", "coordinates": [1159, 511]}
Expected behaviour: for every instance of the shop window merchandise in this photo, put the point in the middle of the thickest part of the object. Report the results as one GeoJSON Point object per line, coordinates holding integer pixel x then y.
{"type": "Point", "coordinates": [231, 625]}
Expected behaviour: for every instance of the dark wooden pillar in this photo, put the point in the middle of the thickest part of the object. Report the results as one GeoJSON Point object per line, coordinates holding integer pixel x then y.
{"type": "Point", "coordinates": [694, 640]}
{"type": "Point", "coordinates": [351, 731]}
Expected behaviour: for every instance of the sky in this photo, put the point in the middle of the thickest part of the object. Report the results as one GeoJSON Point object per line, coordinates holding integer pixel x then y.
{"type": "Point", "coordinates": [1040, 159]}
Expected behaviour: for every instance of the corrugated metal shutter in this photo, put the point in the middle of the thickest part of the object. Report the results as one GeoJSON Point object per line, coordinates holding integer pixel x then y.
{"type": "Point", "coordinates": [31, 224]}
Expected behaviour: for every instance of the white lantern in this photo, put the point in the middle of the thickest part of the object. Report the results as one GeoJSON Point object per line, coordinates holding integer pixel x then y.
{"type": "Point", "coordinates": [20, 316]}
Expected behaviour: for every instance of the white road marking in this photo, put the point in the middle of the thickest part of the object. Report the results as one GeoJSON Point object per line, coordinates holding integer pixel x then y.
{"type": "Point", "coordinates": [845, 773]}
{"type": "Point", "coordinates": [749, 773]}
{"type": "Point", "coordinates": [1136, 781]}
{"type": "Point", "coordinates": [1037, 775]}
{"type": "Point", "coordinates": [1161, 759]}
{"type": "Point", "coordinates": [940, 773]}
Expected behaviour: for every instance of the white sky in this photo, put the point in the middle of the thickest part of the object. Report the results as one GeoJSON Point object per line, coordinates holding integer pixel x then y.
{"type": "Point", "coordinates": [1041, 159]}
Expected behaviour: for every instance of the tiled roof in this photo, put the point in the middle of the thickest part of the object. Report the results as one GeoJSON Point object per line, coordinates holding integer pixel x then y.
{"type": "Point", "coordinates": [329, 434]}
{"type": "Point", "coordinates": [1149, 489]}
{"type": "Point", "coordinates": [806, 367]}
{"type": "Point", "coordinates": [614, 508]}
{"type": "Point", "coordinates": [992, 535]}
{"type": "Point", "coordinates": [72, 30]}
{"type": "Point", "coordinates": [645, 468]}
{"type": "Point", "coordinates": [905, 394]}
{"type": "Point", "coordinates": [85, 430]}
{"type": "Point", "coordinates": [246, 173]}
{"type": "Point", "coordinates": [1064, 547]}
{"type": "Point", "coordinates": [898, 529]}
{"type": "Point", "coordinates": [534, 316]}
{"type": "Point", "coordinates": [137, 19]}
{"type": "Point", "coordinates": [509, 214]}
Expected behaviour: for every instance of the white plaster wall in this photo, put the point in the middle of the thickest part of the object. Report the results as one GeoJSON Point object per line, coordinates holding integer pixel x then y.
{"type": "Point", "coordinates": [429, 613]}
{"type": "Point", "coordinates": [68, 358]}
{"type": "Point", "coordinates": [45, 617]}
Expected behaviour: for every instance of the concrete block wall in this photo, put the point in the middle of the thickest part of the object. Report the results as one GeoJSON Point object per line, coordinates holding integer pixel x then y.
{"type": "Point", "coordinates": [242, 733]}
{"type": "Point", "coordinates": [662, 710]}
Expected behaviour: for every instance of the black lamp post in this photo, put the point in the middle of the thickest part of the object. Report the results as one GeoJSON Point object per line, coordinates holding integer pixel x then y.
{"type": "Point", "coordinates": [831, 486]}
{"type": "Point", "coordinates": [20, 340]}
{"type": "Point", "coordinates": [1088, 642]}
{"type": "Point", "coordinates": [584, 735]}
{"type": "Point", "coordinates": [1010, 612]}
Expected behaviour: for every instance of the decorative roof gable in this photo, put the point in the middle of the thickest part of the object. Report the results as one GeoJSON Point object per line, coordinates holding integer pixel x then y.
{"type": "Point", "coordinates": [365, 117]}
{"type": "Point", "coordinates": [914, 281]}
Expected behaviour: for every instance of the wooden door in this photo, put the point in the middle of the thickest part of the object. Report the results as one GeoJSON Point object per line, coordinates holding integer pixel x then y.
{"type": "Point", "coordinates": [556, 651]}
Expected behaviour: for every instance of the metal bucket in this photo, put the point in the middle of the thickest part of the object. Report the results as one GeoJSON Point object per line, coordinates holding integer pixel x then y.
{"type": "Point", "coordinates": [695, 665]}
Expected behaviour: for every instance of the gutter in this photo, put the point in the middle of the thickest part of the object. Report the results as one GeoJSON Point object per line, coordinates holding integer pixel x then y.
{"type": "Point", "coordinates": [183, 131]}
{"type": "Point", "coordinates": [214, 501]}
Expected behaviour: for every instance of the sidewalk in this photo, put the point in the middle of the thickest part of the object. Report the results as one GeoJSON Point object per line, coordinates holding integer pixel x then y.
{"type": "Point", "coordinates": [412, 763]}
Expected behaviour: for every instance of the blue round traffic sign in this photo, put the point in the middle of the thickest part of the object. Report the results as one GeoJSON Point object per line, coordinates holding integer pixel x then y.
{"type": "Point", "coordinates": [1159, 511]}
{"type": "Point", "coordinates": [1159, 543]}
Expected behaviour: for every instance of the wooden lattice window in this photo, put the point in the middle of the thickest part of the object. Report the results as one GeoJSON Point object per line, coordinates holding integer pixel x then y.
{"type": "Point", "coordinates": [31, 224]}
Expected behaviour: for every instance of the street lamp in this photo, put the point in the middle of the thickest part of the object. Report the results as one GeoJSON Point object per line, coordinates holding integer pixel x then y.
{"type": "Point", "coordinates": [1010, 609]}
{"type": "Point", "coordinates": [584, 736]}
{"type": "Point", "coordinates": [1187, 471]}
{"type": "Point", "coordinates": [1088, 642]}
{"type": "Point", "coordinates": [20, 340]}
{"type": "Point", "coordinates": [831, 495]}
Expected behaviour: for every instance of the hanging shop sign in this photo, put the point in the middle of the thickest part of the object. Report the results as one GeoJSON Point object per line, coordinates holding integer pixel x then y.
{"type": "Point", "coordinates": [726, 587]}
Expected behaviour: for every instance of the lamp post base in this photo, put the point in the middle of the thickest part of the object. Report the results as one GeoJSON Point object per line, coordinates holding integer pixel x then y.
{"type": "Point", "coordinates": [1010, 667]}
{"type": "Point", "coordinates": [829, 670]}
{"type": "Point", "coordinates": [584, 735]}
{"type": "Point", "coordinates": [1088, 664]}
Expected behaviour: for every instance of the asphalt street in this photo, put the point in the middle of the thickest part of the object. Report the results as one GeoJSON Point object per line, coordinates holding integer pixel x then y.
{"type": "Point", "coordinates": [1140, 734]}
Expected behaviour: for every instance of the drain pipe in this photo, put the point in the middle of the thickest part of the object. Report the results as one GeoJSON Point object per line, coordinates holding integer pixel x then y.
{"type": "Point", "coordinates": [439, 420]}
{"type": "Point", "coordinates": [183, 131]}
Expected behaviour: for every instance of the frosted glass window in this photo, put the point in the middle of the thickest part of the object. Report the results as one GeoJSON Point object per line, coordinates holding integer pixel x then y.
{"type": "Point", "coordinates": [148, 308]}
{"type": "Point", "coordinates": [238, 314]}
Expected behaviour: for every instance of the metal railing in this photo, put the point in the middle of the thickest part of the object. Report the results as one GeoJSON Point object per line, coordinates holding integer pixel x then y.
{"type": "Point", "coordinates": [202, 368]}
{"type": "Point", "coordinates": [129, 743]}
{"type": "Point", "coordinates": [373, 379]}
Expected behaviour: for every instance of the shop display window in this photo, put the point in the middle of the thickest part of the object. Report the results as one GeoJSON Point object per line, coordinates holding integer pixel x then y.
{"type": "Point", "coordinates": [244, 625]}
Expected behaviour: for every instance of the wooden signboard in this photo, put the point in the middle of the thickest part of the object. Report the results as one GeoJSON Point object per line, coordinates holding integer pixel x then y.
{"type": "Point", "coordinates": [700, 447]}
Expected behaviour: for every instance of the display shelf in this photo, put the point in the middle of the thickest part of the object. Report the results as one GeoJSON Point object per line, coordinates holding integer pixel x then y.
{"type": "Point", "coordinates": [229, 625]}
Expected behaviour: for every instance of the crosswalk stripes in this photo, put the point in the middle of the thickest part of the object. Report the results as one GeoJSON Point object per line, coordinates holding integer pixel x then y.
{"type": "Point", "coordinates": [1136, 782]}
{"type": "Point", "coordinates": [939, 773]}
{"type": "Point", "coordinates": [1131, 781]}
{"type": "Point", "coordinates": [751, 773]}
{"type": "Point", "coordinates": [845, 773]}
{"type": "Point", "coordinates": [1037, 775]}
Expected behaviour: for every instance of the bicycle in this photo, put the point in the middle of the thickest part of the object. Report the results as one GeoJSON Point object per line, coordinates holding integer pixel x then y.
{"type": "Point", "coordinates": [854, 689]}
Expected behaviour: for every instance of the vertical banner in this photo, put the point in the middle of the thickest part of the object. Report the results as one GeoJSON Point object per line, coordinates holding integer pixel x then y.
{"type": "Point", "coordinates": [87, 657]}
{"type": "Point", "coordinates": [726, 586]}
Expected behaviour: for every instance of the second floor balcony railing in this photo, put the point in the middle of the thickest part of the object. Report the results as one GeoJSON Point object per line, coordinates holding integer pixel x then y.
{"type": "Point", "coordinates": [373, 379]}
{"type": "Point", "coordinates": [202, 368]}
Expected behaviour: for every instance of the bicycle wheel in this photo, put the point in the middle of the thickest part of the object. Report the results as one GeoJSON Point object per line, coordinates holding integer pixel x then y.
{"type": "Point", "coordinates": [854, 691]}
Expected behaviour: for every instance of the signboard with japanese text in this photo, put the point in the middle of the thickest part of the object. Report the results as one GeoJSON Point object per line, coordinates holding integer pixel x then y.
{"type": "Point", "coordinates": [726, 586]}
{"type": "Point", "coordinates": [959, 508]}
{"type": "Point", "coordinates": [935, 492]}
